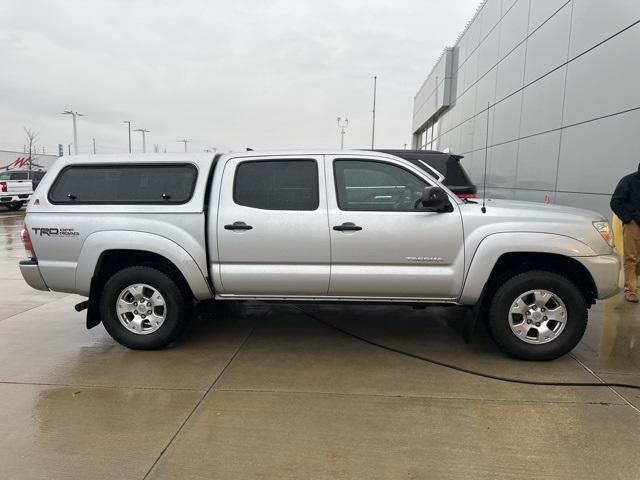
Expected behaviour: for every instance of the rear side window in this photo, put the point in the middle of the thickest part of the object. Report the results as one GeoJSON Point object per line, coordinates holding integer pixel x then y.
{"type": "Point", "coordinates": [122, 184]}
{"type": "Point", "coordinates": [14, 176]}
{"type": "Point", "coordinates": [453, 173]}
{"type": "Point", "coordinates": [449, 167]}
{"type": "Point", "coordinates": [277, 185]}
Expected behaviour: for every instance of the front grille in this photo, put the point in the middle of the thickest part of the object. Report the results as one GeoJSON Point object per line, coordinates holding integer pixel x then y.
{"type": "Point", "coordinates": [23, 196]}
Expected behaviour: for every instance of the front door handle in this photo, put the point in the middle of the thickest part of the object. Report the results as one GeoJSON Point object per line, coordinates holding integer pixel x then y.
{"type": "Point", "coordinates": [347, 227]}
{"type": "Point", "coordinates": [238, 226]}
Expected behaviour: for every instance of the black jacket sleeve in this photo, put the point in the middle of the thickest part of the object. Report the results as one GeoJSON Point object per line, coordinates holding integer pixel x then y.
{"type": "Point", "coordinates": [621, 201]}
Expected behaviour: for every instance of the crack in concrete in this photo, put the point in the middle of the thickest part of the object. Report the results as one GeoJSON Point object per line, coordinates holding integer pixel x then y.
{"type": "Point", "coordinates": [417, 397]}
{"type": "Point", "coordinates": [197, 405]}
{"type": "Point", "coordinates": [624, 399]}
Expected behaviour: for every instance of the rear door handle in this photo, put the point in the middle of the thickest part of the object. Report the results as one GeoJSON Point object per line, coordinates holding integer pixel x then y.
{"type": "Point", "coordinates": [347, 227]}
{"type": "Point", "coordinates": [238, 226]}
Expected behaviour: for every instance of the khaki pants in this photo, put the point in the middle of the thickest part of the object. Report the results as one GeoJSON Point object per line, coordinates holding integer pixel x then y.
{"type": "Point", "coordinates": [631, 238]}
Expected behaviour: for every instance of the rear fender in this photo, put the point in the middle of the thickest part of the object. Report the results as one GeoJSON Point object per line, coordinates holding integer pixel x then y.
{"type": "Point", "coordinates": [99, 242]}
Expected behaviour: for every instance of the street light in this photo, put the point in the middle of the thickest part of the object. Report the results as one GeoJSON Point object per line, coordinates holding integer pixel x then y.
{"type": "Point", "coordinates": [75, 129]}
{"type": "Point", "coordinates": [129, 123]}
{"type": "Point", "coordinates": [144, 138]}
{"type": "Point", "coordinates": [373, 121]}
{"type": "Point", "coordinates": [185, 141]}
{"type": "Point", "coordinates": [343, 126]}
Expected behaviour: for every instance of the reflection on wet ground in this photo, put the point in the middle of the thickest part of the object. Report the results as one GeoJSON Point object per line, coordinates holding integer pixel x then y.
{"type": "Point", "coordinates": [261, 391]}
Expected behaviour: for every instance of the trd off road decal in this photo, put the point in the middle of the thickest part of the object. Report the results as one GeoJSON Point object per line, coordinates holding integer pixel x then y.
{"type": "Point", "coordinates": [55, 232]}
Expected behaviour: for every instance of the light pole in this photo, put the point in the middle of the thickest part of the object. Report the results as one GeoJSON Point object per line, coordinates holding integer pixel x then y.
{"type": "Point", "coordinates": [75, 128]}
{"type": "Point", "coordinates": [185, 141]}
{"type": "Point", "coordinates": [144, 138]}
{"type": "Point", "coordinates": [129, 124]}
{"type": "Point", "coordinates": [373, 122]}
{"type": "Point", "coordinates": [343, 126]}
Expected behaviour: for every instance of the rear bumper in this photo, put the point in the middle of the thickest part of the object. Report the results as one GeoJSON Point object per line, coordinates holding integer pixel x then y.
{"type": "Point", "coordinates": [31, 273]}
{"type": "Point", "coordinates": [14, 198]}
{"type": "Point", "coordinates": [605, 271]}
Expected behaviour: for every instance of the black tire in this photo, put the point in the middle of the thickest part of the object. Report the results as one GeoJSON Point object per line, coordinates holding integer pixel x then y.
{"type": "Point", "coordinates": [14, 207]}
{"type": "Point", "coordinates": [176, 314]}
{"type": "Point", "coordinates": [512, 289]}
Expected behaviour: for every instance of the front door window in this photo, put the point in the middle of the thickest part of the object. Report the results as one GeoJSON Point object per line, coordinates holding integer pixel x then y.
{"type": "Point", "coordinates": [364, 185]}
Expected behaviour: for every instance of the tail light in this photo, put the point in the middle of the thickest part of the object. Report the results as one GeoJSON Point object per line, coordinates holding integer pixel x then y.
{"type": "Point", "coordinates": [26, 241]}
{"type": "Point", "coordinates": [3, 186]}
{"type": "Point", "coordinates": [462, 196]}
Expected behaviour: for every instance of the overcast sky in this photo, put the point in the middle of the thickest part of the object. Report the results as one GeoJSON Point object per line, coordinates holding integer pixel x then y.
{"type": "Point", "coordinates": [225, 74]}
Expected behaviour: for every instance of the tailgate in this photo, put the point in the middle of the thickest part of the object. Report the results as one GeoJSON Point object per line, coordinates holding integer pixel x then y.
{"type": "Point", "coordinates": [17, 187]}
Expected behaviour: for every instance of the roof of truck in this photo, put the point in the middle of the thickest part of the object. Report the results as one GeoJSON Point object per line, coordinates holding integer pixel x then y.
{"type": "Point", "coordinates": [202, 158]}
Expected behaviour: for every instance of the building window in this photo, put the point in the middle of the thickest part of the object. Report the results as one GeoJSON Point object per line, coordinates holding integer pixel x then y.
{"type": "Point", "coordinates": [428, 138]}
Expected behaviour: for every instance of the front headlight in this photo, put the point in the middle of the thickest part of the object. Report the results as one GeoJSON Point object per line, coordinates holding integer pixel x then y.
{"type": "Point", "coordinates": [604, 230]}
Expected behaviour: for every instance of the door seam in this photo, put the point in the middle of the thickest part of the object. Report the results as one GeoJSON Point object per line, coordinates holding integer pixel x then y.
{"type": "Point", "coordinates": [326, 202]}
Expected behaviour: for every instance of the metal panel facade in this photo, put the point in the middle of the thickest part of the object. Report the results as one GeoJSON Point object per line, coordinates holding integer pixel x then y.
{"type": "Point", "coordinates": [560, 76]}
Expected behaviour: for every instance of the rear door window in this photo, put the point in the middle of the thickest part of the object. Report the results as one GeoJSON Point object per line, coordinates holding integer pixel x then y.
{"type": "Point", "coordinates": [124, 184]}
{"type": "Point", "coordinates": [277, 185]}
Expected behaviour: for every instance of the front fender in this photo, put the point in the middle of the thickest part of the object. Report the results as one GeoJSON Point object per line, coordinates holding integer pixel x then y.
{"type": "Point", "coordinates": [493, 246]}
{"type": "Point", "coordinates": [99, 242]}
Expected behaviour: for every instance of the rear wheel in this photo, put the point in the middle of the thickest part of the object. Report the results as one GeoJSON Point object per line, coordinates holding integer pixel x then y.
{"type": "Point", "coordinates": [143, 308]}
{"type": "Point", "coordinates": [537, 315]}
{"type": "Point", "coordinates": [15, 206]}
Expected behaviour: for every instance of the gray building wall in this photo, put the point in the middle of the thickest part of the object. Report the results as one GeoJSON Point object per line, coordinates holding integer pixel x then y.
{"type": "Point", "coordinates": [561, 78]}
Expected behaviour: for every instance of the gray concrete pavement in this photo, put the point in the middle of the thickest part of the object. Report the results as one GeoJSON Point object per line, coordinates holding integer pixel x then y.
{"type": "Point", "coordinates": [261, 391]}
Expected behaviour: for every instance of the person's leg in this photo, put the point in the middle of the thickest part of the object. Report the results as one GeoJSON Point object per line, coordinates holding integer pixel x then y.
{"type": "Point", "coordinates": [636, 236]}
{"type": "Point", "coordinates": [616, 227]}
{"type": "Point", "coordinates": [631, 234]}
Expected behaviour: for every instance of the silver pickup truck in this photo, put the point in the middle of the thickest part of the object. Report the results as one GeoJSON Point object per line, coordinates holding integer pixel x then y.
{"type": "Point", "coordinates": [144, 236]}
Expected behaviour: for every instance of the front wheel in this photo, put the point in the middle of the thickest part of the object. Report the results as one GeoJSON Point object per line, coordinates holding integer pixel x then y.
{"type": "Point", "coordinates": [143, 308]}
{"type": "Point", "coordinates": [538, 315]}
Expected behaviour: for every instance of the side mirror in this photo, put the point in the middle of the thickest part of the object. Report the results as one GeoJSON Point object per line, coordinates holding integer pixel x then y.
{"type": "Point", "coordinates": [435, 199]}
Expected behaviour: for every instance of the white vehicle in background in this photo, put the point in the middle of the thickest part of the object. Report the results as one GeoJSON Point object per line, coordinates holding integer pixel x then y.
{"type": "Point", "coordinates": [20, 175]}
{"type": "Point", "coordinates": [15, 190]}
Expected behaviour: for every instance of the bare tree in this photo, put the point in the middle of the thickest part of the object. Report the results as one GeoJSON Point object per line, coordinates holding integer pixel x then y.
{"type": "Point", "coordinates": [32, 138]}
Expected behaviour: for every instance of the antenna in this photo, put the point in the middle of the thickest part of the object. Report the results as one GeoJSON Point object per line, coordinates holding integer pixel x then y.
{"type": "Point", "coordinates": [484, 179]}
